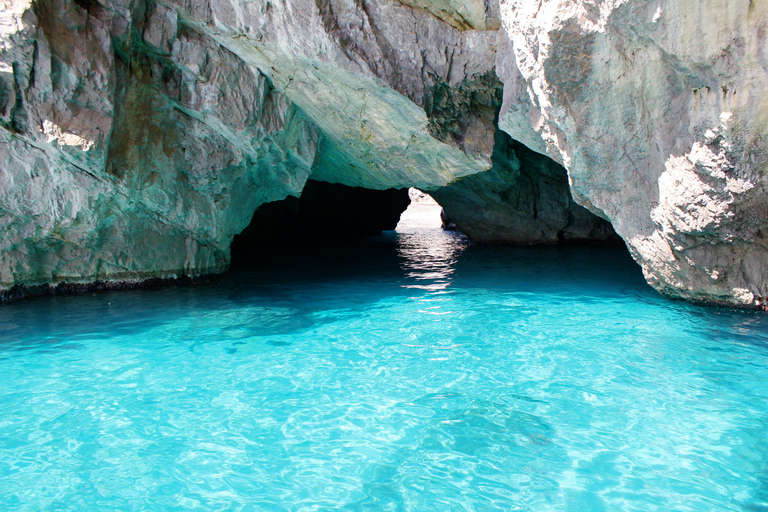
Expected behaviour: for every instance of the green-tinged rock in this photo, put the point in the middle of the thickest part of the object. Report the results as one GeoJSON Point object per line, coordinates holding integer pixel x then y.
{"type": "Point", "coordinates": [523, 199]}
{"type": "Point", "coordinates": [376, 137]}
{"type": "Point", "coordinates": [462, 14]}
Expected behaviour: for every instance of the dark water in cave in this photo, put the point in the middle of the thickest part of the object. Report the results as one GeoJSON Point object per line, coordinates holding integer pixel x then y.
{"type": "Point", "coordinates": [408, 372]}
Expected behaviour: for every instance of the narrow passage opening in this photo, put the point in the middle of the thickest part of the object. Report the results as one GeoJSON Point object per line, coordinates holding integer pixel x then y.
{"type": "Point", "coordinates": [423, 211]}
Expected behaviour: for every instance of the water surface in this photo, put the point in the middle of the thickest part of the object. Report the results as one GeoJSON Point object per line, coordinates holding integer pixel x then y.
{"type": "Point", "coordinates": [409, 372]}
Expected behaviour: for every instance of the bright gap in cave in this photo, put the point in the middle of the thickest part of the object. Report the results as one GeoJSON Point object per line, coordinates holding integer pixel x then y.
{"type": "Point", "coordinates": [333, 214]}
{"type": "Point", "coordinates": [335, 232]}
{"type": "Point", "coordinates": [422, 212]}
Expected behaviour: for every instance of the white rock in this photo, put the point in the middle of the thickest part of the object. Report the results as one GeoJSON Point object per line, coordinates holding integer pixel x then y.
{"type": "Point", "coordinates": [658, 111]}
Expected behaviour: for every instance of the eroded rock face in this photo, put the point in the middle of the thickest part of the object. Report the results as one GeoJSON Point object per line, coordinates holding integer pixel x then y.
{"type": "Point", "coordinates": [119, 163]}
{"type": "Point", "coordinates": [139, 138]}
{"type": "Point", "coordinates": [523, 199]}
{"type": "Point", "coordinates": [658, 111]}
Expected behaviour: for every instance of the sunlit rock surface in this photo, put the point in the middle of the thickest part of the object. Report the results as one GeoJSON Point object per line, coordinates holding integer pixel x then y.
{"type": "Point", "coordinates": [138, 138]}
{"type": "Point", "coordinates": [658, 110]}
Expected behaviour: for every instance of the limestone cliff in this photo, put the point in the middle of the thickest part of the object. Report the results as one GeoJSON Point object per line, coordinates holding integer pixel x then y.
{"type": "Point", "coordinates": [658, 110]}
{"type": "Point", "coordinates": [138, 137]}
{"type": "Point", "coordinates": [120, 163]}
{"type": "Point", "coordinates": [524, 197]}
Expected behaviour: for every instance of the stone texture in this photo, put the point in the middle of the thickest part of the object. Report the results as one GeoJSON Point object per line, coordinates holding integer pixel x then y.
{"type": "Point", "coordinates": [461, 14]}
{"type": "Point", "coordinates": [657, 109]}
{"type": "Point", "coordinates": [119, 163]}
{"type": "Point", "coordinates": [139, 138]}
{"type": "Point", "coordinates": [523, 199]}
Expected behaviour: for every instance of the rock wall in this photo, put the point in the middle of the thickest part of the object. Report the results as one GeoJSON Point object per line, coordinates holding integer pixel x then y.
{"type": "Point", "coordinates": [119, 163]}
{"type": "Point", "coordinates": [523, 199]}
{"type": "Point", "coordinates": [657, 108]}
{"type": "Point", "coordinates": [138, 137]}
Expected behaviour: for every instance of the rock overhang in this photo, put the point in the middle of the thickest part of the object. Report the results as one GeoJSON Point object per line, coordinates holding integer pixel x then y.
{"type": "Point", "coordinates": [228, 105]}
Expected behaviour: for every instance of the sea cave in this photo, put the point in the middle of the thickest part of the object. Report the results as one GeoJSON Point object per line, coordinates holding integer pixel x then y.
{"type": "Point", "coordinates": [385, 255]}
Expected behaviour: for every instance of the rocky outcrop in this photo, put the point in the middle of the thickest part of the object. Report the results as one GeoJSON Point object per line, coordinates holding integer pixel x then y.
{"type": "Point", "coordinates": [119, 163]}
{"type": "Point", "coordinates": [523, 199]}
{"type": "Point", "coordinates": [138, 138]}
{"type": "Point", "coordinates": [658, 111]}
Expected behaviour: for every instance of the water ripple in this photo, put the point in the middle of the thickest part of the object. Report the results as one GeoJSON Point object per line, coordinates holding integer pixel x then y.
{"type": "Point", "coordinates": [413, 372]}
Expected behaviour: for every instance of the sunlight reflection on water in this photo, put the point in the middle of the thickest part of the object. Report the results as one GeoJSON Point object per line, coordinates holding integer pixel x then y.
{"type": "Point", "coordinates": [429, 255]}
{"type": "Point", "coordinates": [546, 379]}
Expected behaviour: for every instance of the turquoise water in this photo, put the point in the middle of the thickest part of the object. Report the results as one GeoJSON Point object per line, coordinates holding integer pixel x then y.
{"type": "Point", "coordinates": [409, 372]}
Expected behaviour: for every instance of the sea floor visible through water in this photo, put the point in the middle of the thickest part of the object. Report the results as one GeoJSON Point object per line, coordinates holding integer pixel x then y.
{"type": "Point", "coordinates": [414, 371]}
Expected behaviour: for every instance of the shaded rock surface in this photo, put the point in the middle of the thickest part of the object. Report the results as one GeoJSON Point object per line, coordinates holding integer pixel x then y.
{"type": "Point", "coordinates": [324, 211]}
{"type": "Point", "coordinates": [119, 163]}
{"type": "Point", "coordinates": [523, 199]}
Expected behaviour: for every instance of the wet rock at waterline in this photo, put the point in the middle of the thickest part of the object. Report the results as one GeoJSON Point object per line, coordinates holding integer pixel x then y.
{"type": "Point", "coordinates": [137, 139]}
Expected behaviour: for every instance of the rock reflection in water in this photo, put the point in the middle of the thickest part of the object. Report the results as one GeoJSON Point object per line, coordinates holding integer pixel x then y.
{"type": "Point", "coordinates": [429, 254]}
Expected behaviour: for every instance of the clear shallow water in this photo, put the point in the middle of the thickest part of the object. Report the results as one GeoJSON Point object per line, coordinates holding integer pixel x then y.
{"type": "Point", "coordinates": [409, 372]}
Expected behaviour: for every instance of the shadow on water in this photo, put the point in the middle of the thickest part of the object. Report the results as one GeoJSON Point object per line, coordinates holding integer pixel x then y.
{"type": "Point", "coordinates": [759, 502]}
{"type": "Point", "coordinates": [550, 268]}
{"type": "Point", "coordinates": [277, 289]}
{"type": "Point", "coordinates": [739, 326]}
{"type": "Point", "coordinates": [428, 260]}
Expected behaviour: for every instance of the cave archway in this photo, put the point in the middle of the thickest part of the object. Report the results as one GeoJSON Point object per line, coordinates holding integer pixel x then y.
{"type": "Point", "coordinates": [324, 211]}
{"type": "Point", "coordinates": [523, 199]}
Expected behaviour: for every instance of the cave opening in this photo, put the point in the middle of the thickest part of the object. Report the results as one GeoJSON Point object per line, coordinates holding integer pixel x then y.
{"type": "Point", "coordinates": [524, 198]}
{"type": "Point", "coordinates": [335, 234]}
{"type": "Point", "coordinates": [325, 213]}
